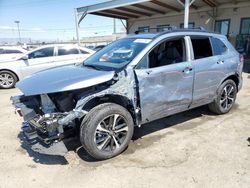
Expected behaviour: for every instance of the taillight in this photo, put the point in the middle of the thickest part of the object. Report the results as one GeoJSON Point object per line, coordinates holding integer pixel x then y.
{"type": "Point", "coordinates": [241, 58]}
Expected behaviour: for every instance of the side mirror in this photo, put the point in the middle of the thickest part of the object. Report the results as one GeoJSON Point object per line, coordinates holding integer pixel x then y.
{"type": "Point", "coordinates": [25, 57]}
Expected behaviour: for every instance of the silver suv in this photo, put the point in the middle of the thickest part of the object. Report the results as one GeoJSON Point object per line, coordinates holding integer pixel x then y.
{"type": "Point", "coordinates": [130, 82]}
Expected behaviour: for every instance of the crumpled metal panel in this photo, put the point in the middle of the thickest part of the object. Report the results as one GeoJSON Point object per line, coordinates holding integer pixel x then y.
{"type": "Point", "coordinates": [164, 90]}
{"type": "Point", "coordinates": [63, 78]}
{"type": "Point", "coordinates": [125, 86]}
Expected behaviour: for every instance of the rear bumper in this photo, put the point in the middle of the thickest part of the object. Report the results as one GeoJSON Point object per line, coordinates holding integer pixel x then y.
{"type": "Point", "coordinates": [38, 144]}
{"type": "Point", "coordinates": [240, 82]}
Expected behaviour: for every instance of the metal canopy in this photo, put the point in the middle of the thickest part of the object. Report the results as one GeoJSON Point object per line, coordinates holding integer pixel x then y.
{"type": "Point", "coordinates": [133, 9]}
{"type": "Point", "coordinates": [129, 9]}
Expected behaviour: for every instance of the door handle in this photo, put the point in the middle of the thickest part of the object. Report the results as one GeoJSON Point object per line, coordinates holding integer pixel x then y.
{"type": "Point", "coordinates": [187, 69]}
{"type": "Point", "coordinates": [220, 62]}
{"type": "Point", "coordinates": [149, 71]}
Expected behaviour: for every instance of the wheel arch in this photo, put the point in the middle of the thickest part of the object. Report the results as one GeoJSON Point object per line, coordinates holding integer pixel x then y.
{"type": "Point", "coordinates": [11, 72]}
{"type": "Point", "coordinates": [111, 98]}
{"type": "Point", "coordinates": [235, 78]}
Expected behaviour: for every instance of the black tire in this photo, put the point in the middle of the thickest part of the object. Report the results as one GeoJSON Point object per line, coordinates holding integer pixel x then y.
{"type": "Point", "coordinates": [7, 79]}
{"type": "Point", "coordinates": [223, 104]}
{"type": "Point", "coordinates": [93, 124]}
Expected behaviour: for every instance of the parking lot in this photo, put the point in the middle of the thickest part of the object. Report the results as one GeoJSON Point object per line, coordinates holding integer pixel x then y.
{"type": "Point", "coordinates": [191, 149]}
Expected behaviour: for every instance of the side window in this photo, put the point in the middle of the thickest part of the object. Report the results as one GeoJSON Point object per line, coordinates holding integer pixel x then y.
{"type": "Point", "coordinates": [202, 47]}
{"type": "Point", "coordinates": [161, 28]}
{"type": "Point", "coordinates": [1, 51]}
{"type": "Point", "coordinates": [144, 29]}
{"type": "Point", "coordinates": [83, 52]}
{"type": "Point", "coordinates": [67, 51]}
{"type": "Point", "coordinates": [219, 47]}
{"type": "Point", "coordinates": [45, 52]}
{"type": "Point", "coordinates": [166, 53]}
{"type": "Point", "coordinates": [12, 51]}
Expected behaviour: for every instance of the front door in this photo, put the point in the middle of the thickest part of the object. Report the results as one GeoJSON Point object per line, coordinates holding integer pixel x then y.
{"type": "Point", "coordinates": [39, 60]}
{"type": "Point", "coordinates": [165, 80]}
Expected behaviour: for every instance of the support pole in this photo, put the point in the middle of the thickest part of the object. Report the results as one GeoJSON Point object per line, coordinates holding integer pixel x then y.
{"type": "Point", "coordinates": [186, 17]}
{"type": "Point", "coordinates": [77, 28]}
{"type": "Point", "coordinates": [114, 26]}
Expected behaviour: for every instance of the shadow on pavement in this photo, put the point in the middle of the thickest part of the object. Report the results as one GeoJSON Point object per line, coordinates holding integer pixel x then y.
{"type": "Point", "coordinates": [149, 128]}
{"type": "Point", "coordinates": [38, 157]}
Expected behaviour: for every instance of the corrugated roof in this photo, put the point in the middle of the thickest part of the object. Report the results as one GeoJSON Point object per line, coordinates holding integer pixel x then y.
{"type": "Point", "coordinates": [127, 9]}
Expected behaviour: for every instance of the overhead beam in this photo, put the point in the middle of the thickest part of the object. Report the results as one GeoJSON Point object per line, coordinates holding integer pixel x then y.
{"type": "Point", "coordinates": [165, 5]}
{"type": "Point", "coordinates": [148, 8]}
{"type": "Point", "coordinates": [211, 3]}
{"type": "Point", "coordinates": [134, 11]}
{"type": "Point", "coordinates": [109, 15]}
{"type": "Point", "coordinates": [120, 13]}
{"type": "Point", "coordinates": [192, 6]}
{"type": "Point", "coordinates": [234, 2]}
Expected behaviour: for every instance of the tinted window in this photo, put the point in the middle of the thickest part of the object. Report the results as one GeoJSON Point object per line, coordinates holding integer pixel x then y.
{"type": "Point", "coordinates": [167, 53]}
{"type": "Point", "coordinates": [83, 52]}
{"type": "Point", "coordinates": [190, 25]}
{"type": "Point", "coordinates": [218, 46]}
{"type": "Point", "coordinates": [161, 28]}
{"type": "Point", "coordinates": [245, 26]}
{"type": "Point", "coordinates": [1, 51]}
{"type": "Point", "coordinates": [10, 51]}
{"type": "Point", "coordinates": [45, 52]}
{"type": "Point", "coordinates": [222, 26]}
{"type": "Point", "coordinates": [67, 51]}
{"type": "Point", "coordinates": [144, 29]}
{"type": "Point", "coordinates": [202, 47]}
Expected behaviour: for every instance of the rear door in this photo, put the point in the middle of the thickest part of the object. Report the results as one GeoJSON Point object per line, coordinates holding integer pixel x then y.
{"type": "Point", "coordinates": [67, 55]}
{"type": "Point", "coordinates": [39, 60]}
{"type": "Point", "coordinates": [209, 67]}
{"type": "Point", "coordinates": [165, 80]}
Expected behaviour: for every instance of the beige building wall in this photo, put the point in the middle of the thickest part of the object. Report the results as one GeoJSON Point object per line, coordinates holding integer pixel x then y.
{"type": "Point", "coordinates": [204, 17]}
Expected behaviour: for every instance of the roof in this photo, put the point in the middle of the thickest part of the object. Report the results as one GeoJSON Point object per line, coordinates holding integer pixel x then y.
{"type": "Point", "coordinates": [189, 31]}
{"type": "Point", "coordinates": [129, 9]}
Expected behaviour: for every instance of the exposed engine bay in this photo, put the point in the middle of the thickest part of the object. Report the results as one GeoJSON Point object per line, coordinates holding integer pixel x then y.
{"type": "Point", "coordinates": [50, 118]}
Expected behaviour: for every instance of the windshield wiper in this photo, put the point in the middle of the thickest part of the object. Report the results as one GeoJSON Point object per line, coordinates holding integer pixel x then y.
{"type": "Point", "coordinates": [92, 66]}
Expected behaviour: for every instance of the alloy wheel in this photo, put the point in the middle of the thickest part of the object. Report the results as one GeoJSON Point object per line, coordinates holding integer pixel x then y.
{"type": "Point", "coordinates": [227, 97]}
{"type": "Point", "coordinates": [110, 133]}
{"type": "Point", "coordinates": [6, 80]}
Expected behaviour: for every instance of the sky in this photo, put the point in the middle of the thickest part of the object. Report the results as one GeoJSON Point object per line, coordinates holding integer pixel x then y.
{"type": "Point", "coordinates": [51, 20]}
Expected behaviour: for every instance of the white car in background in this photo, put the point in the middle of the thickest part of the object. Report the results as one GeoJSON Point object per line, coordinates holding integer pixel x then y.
{"type": "Point", "coordinates": [42, 58]}
{"type": "Point", "coordinates": [9, 52]}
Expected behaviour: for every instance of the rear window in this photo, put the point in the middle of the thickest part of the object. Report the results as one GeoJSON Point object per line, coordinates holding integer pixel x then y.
{"type": "Point", "coordinates": [202, 47]}
{"type": "Point", "coordinates": [83, 52]}
{"type": "Point", "coordinates": [10, 51]}
{"type": "Point", "coordinates": [67, 51]}
{"type": "Point", "coordinates": [219, 47]}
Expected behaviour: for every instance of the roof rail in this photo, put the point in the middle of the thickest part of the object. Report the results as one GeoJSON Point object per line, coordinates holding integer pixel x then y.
{"type": "Point", "coordinates": [197, 28]}
{"type": "Point", "coordinates": [169, 28]}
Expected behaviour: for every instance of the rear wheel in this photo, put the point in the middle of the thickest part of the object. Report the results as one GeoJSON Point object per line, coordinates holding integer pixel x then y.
{"type": "Point", "coordinates": [226, 98]}
{"type": "Point", "coordinates": [7, 79]}
{"type": "Point", "coordinates": [106, 131]}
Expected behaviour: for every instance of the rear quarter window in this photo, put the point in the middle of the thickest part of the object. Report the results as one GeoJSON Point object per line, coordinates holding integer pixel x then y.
{"type": "Point", "coordinates": [219, 47]}
{"type": "Point", "coordinates": [10, 51]}
{"type": "Point", "coordinates": [67, 51]}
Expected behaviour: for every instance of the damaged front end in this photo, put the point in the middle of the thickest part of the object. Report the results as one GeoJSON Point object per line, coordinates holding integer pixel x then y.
{"type": "Point", "coordinates": [48, 119]}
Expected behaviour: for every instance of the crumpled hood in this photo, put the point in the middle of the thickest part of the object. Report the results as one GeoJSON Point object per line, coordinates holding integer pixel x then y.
{"type": "Point", "coordinates": [63, 78]}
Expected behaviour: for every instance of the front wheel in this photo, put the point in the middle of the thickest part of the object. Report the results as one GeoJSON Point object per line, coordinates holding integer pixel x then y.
{"type": "Point", "coordinates": [225, 98]}
{"type": "Point", "coordinates": [106, 131]}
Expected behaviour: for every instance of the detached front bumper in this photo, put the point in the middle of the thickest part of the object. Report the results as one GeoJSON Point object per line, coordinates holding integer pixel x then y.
{"type": "Point", "coordinates": [45, 132]}
{"type": "Point", "coordinates": [38, 144]}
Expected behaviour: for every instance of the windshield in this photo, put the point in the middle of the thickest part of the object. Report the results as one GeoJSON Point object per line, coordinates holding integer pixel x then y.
{"type": "Point", "coordinates": [117, 55]}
